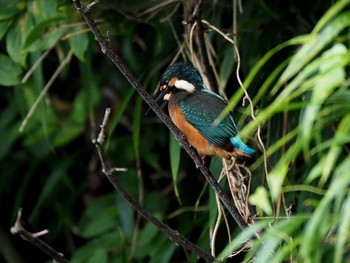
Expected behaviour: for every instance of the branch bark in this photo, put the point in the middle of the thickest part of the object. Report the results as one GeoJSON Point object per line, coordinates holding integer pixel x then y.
{"type": "Point", "coordinates": [18, 229]}
{"type": "Point", "coordinates": [108, 171]}
{"type": "Point", "coordinates": [115, 58]}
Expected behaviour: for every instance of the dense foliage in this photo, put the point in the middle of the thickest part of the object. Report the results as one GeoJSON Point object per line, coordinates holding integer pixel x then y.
{"type": "Point", "coordinates": [56, 83]}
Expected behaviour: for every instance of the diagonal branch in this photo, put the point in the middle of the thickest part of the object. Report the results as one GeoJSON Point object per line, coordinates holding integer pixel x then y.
{"type": "Point", "coordinates": [114, 57]}
{"type": "Point", "coordinates": [108, 171]}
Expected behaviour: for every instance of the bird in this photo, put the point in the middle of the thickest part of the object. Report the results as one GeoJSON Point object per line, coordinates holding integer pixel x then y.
{"type": "Point", "coordinates": [194, 109]}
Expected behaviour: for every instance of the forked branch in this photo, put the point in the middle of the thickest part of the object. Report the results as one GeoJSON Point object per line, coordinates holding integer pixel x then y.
{"type": "Point", "coordinates": [108, 171]}
{"type": "Point", "coordinates": [123, 68]}
{"type": "Point", "coordinates": [33, 238]}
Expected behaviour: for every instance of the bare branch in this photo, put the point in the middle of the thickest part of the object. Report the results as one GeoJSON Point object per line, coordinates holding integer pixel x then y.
{"type": "Point", "coordinates": [115, 58]}
{"type": "Point", "coordinates": [33, 238]}
{"type": "Point", "coordinates": [173, 235]}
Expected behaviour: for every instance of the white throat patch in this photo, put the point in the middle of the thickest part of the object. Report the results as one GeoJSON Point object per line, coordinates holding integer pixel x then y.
{"type": "Point", "coordinates": [184, 85]}
{"type": "Point", "coordinates": [167, 96]}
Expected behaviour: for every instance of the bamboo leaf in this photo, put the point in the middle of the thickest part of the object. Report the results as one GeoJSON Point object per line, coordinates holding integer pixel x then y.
{"type": "Point", "coordinates": [315, 43]}
{"type": "Point", "coordinates": [9, 71]}
{"type": "Point", "coordinates": [79, 45]}
{"type": "Point", "coordinates": [260, 199]}
{"type": "Point", "coordinates": [137, 126]}
{"type": "Point", "coordinates": [174, 162]}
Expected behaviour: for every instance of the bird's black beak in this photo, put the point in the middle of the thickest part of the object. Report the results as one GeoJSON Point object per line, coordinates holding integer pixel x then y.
{"type": "Point", "coordinates": [163, 91]}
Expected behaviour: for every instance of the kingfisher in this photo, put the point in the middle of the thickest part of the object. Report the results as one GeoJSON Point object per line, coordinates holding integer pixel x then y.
{"type": "Point", "coordinates": [194, 109]}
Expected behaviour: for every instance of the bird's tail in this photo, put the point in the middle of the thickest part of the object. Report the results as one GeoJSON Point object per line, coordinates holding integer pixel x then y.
{"type": "Point", "coordinates": [240, 146]}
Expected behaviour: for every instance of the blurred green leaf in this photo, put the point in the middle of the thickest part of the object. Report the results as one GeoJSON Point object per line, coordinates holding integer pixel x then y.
{"type": "Point", "coordinates": [332, 74]}
{"type": "Point", "coordinates": [260, 199]}
{"type": "Point", "coordinates": [46, 41]}
{"type": "Point", "coordinates": [174, 149]}
{"type": "Point", "coordinates": [315, 43]}
{"type": "Point", "coordinates": [276, 235]}
{"type": "Point", "coordinates": [215, 168]}
{"type": "Point", "coordinates": [226, 68]}
{"type": "Point", "coordinates": [79, 45]}
{"type": "Point", "coordinates": [9, 71]}
{"type": "Point", "coordinates": [119, 113]}
{"type": "Point", "coordinates": [40, 32]}
{"type": "Point", "coordinates": [105, 242]}
{"type": "Point", "coordinates": [100, 217]}
{"type": "Point", "coordinates": [126, 216]}
{"type": "Point", "coordinates": [242, 237]}
{"type": "Point", "coordinates": [98, 256]}
{"type": "Point", "coordinates": [47, 8]}
{"type": "Point", "coordinates": [48, 191]}
{"type": "Point", "coordinates": [67, 134]}
{"type": "Point", "coordinates": [15, 39]}
{"type": "Point", "coordinates": [137, 126]}
{"type": "Point", "coordinates": [4, 26]}
{"type": "Point", "coordinates": [320, 224]}
{"type": "Point", "coordinates": [9, 8]}
{"type": "Point", "coordinates": [343, 236]}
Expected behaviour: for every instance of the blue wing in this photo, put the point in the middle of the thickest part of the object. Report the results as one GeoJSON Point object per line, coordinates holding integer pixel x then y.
{"type": "Point", "coordinates": [201, 109]}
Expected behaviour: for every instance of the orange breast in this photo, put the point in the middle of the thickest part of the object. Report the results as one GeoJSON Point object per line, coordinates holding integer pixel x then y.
{"type": "Point", "coordinates": [192, 134]}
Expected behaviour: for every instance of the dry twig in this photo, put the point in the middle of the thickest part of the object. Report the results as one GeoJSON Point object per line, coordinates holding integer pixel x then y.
{"type": "Point", "coordinates": [33, 238]}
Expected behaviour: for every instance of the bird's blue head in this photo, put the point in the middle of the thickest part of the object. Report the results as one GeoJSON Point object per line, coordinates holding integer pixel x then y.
{"type": "Point", "coordinates": [179, 77]}
{"type": "Point", "coordinates": [185, 73]}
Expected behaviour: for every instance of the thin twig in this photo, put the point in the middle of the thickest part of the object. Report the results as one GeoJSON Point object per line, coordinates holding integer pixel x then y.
{"type": "Point", "coordinates": [35, 65]}
{"type": "Point", "coordinates": [123, 68]}
{"type": "Point", "coordinates": [207, 68]}
{"type": "Point", "coordinates": [246, 96]}
{"type": "Point", "coordinates": [173, 235]}
{"type": "Point", "coordinates": [33, 238]}
{"type": "Point", "coordinates": [46, 88]}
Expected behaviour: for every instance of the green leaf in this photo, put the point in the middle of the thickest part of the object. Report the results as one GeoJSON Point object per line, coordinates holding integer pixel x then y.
{"type": "Point", "coordinates": [4, 26]}
{"type": "Point", "coordinates": [275, 235]}
{"type": "Point", "coordinates": [47, 8]}
{"type": "Point", "coordinates": [343, 232]}
{"type": "Point", "coordinates": [314, 44]}
{"type": "Point", "coordinates": [99, 217]}
{"type": "Point", "coordinates": [119, 113]}
{"type": "Point", "coordinates": [226, 68]}
{"type": "Point", "coordinates": [107, 241]}
{"type": "Point", "coordinates": [9, 71]}
{"type": "Point", "coordinates": [98, 256]}
{"type": "Point", "coordinates": [126, 216]}
{"type": "Point", "coordinates": [215, 168]}
{"type": "Point", "coordinates": [67, 134]}
{"type": "Point", "coordinates": [15, 39]}
{"type": "Point", "coordinates": [331, 75]}
{"type": "Point", "coordinates": [137, 126]}
{"type": "Point", "coordinates": [10, 8]}
{"type": "Point", "coordinates": [335, 150]}
{"type": "Point", "coordinates": [174, 149]}
{"type": "Point", "coordinates": [79, 45]}
{"type": "Point", "coordinates": [260, 199]}
{"type": "Point", "coordinates": [50, 187]}
{"type": "Point", "coordinates": [241, 238]}
{"type": "Point", "coordinates": [46, 41]}
{"type": "Point", "coordinates": [320, 224]}
{"type": "Point", "coordinates": [38, 31]}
